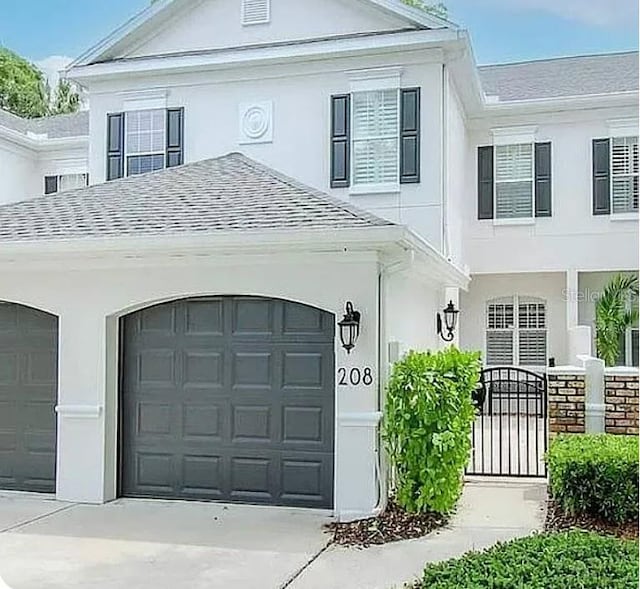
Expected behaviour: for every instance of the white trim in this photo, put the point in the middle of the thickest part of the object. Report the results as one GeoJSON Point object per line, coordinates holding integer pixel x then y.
{"type": "Point", "coordinates": [375, 79]}
{"type": "Point", "coordinates": [361, 189]}
{"type": "Point", "coordinates": [360, 419]}
{"type": "Point", "coordinates": [145, 100]}
{"type": "Point", "coordinates": [41, 143]}
{"type": "Point", "coordinates": [568, 370]}
{"type": "Point", "coordinates": [513, 135]}
{"type": "Point", "coordinates": [623, 217]}
{"type": "Point", "coordinates": [79, 411]}
{"type": "Point", "coordinates": [514, 221]}
{"type": "Point", "coordinates": [621, 371]}
{"type": "Point", "coordinates": [623, 127]}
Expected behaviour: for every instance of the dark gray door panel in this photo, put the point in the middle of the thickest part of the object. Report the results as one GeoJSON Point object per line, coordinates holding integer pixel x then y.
{"type": "Point", "coordinates": [28, 391]}
{"type": "Point", "coordinates": [229, 398]}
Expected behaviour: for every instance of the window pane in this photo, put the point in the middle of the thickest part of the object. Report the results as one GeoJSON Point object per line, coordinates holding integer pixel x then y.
{"type": "Point", "coordinates": [71, 181]}
{"type": "Point", "coordinates": [375, 161]}
{"type": "Point", "coordinates": [499, 347]}
{"type": "Point", "coordinates": [532, 316]}
{"type": "Point", "coordinates": [514, 200]}
{"type": "Point", "coordinates": [634, 347]}
{"type": "Point", "coordinates": [141, 164]}
{"type": "Point", "coordinates": [145, 131]}
{"type": "Point", "coordinates": [514, 162]}
{"type": "Point", "coordinates": [375, 114]}
{"type": "Point", "coordinates": [624, 155]}
{"type": "Point", "coordinates": [500, 316]}
{"type": "Point", "coordinates": [625, 194]}
{"type": "Point", "coordinates": [533, 347]}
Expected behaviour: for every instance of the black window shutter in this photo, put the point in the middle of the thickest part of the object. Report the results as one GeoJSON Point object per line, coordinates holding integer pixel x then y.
{"type": "Point", "coordinates": [340, 140]}
{"type": "Point", "coordinates": [50, 184]}
{"type": "Point", "coordinates": [601, 177]}
{"type": "Point", "coordinates": [115, 146]}
{"type": "Point", "coordinates": [410, 136]}
{"type": "Point", "coordinates": [175, 137]}
{"type": "Point", "coordinates": [543, 179]}
{"type": "Point", "coordinates": [485, 182]}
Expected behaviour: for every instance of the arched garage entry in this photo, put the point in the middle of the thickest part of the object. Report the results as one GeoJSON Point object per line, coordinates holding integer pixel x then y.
{"type": "Point", "coordinates": [228, 398]}
{"type": "Point", "coordinates": [28, 393]}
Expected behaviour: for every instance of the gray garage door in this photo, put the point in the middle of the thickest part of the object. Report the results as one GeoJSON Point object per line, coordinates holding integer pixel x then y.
{"type": "Point", "coordinates": [28, 390]}
{"type": "Point", "coordinates": [228, 398]}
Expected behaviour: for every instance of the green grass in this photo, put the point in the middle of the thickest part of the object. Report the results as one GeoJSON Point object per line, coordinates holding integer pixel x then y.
{"type": "Point", "coordinates": [571, 560]}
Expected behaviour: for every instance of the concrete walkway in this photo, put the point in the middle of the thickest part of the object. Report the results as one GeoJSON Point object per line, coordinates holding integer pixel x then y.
{"type": "Point", "coordinates": [135, 544]}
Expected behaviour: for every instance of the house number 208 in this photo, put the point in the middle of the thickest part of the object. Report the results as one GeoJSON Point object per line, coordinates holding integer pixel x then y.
{"type": "Point", "coordinates": [355, 377]}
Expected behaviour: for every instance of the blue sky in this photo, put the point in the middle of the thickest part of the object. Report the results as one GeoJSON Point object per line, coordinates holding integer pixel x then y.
{"type": "Point", "coordinates": [502, 30]}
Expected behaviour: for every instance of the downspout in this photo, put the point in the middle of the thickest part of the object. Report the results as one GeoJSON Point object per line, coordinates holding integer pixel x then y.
{"type": "Point", "coordinates": [444, 145]}
{"type": "Point", "coordinates": [384, 273]}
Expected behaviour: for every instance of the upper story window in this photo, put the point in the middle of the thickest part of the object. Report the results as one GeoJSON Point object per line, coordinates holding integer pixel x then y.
{"type": "Point", "coordinates": [615, 176]}
{"type": "Point", "coordinates": [514, 182]}
{"type": "Point", "coordinates": [256, 12]}
{"type": "Point", "coordinates": [375, 134]}
{"type": "Point", "coordinates": [145, 143]}
{"type": "Point", "coordinates": [64, 182]}
{"type": "Point", "coordinates": [516, 332]}
{"type": "Point", "coordinates": [141, 141]}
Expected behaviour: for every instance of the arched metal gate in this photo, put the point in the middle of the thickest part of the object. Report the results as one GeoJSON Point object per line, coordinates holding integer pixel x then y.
{"type": "Point", "coordinates": [510, 431]}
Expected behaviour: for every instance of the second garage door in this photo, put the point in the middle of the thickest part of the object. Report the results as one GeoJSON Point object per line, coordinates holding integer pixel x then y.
{"type": "Point", "coordinates": [228, 398]}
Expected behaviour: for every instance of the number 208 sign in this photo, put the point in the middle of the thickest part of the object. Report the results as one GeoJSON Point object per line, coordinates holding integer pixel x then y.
{"type": "Point", "coordinates": [355, 377]}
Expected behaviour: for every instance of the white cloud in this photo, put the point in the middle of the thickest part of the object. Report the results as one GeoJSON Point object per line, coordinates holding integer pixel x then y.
{"type": "Point", "coordinates": [52, 66]}
{"type": "Point", "coordinates": [601, 13]}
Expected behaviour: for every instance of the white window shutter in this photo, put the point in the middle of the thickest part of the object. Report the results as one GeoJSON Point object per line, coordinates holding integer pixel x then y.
{"type": "Point", "coordinates": [256, 12]}
{"type": "Point", "coordinates": [624, 174]}
{"type": "Point", "coordinates": [532, 347]}
{"type": "Point", "coordinates": [514, 181]}
{"type": "Point", "coordinates": [499, 348]}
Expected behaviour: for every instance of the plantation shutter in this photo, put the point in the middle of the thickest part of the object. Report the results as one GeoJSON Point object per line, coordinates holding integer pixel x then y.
{"type": "Point", "coordinates": [115, 146]}
{"type": "Point", "coordinates": [175, 137]}
{"type": "Point", "coordinates": [500, 332]}
{"type": "Point", "coordinates": [532, 333]}
{"type": "Point", "coordinates": [543, 179]}
{"type": "Point", "coordinates": [340, 141]}
{"type": "Point", "coordinates": [50, 184]}
{"type": "Point", "coordinates": [624, 174]}
{"type": "Point", "coordinates": [514, 181]}
{"type": "Point", "coordinates": [410, 136]}
{"type": "Point", "coordinates": [485, 182]}
{"type": "Point", "coordinates": [601, 177]}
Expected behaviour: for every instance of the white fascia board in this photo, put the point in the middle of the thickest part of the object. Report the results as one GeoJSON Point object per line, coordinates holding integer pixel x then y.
{"type": "Point", "coordinates": [42, 143]}
{"type": "Point", "coordinates": [305, 51]}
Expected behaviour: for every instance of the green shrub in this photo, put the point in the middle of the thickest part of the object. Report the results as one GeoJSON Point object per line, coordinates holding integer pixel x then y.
{"type": "Point", "coordinates": [427, 426]}
{"type": "Point", "coordinates": [571, 560]}
{"type": "Point", "coordinates": [596, 475]}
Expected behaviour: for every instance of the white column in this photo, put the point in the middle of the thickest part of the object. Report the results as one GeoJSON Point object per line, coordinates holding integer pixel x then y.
{"type": "Point", "coordinates": [594, 396]}
{"type": "Point", "coordinates": [571, 295]}
{"type": "Point", "coordinates": [81, 404]}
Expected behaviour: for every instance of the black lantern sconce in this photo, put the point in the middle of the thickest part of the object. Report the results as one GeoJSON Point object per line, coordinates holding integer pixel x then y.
{"type": "Point", "coordinates": [450, 320]}
{"type": "Point", "coordinates": [349, 328]}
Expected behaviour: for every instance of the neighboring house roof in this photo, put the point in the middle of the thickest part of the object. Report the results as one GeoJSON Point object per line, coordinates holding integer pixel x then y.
{"type": "Point", "coordinates": [231, 193]}
{"type": "Point", "coordinates": [145, 21]}
{"type": "Point", "coordinates": [56, 127]}
{"type": "Point", "coordinates": [562, 77]}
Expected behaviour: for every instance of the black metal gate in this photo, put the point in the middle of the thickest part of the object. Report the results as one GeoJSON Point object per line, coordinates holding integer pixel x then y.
{"type": "Point", "coordinates": [509, 435]}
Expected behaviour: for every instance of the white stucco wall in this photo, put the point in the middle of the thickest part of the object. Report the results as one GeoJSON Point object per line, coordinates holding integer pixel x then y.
{"type": "Point", "coordinates": [217, 23]}
{"type": "Point", "coordinates": [548, 286]}
{"type": "Point", "coordinates": [73, 160]}
{"type": "Point", "coordinates": [18, 177]}
{"type": "Point", "coordinates": [573, 237]}
{"type": "Point", "coordinates": [89, 299]}
{"type": "Point", "coordinates": [301, 141]}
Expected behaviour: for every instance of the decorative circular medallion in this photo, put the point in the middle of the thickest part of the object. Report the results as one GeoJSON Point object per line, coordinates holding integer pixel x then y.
{"type": "Point", "coordinates": [255, 122]}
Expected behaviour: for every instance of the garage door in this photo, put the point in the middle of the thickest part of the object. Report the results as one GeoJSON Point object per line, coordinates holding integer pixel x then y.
{"type": "Point", "coordinates": [28, 390]}
{"type": "Point", "coordinates": [228, 398]}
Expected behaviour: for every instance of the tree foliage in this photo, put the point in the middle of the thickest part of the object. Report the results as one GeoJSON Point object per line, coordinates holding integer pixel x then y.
{"type": "Point", "coordinates": [438, 9]}
{"type": "Point", "coordinates": [616, 311]}
{"type": "Point", "coordinates": [24, 90]}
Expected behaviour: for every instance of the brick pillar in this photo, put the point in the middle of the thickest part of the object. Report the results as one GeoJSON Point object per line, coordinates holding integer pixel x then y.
{"type": "Point", "coordinates": [621, 398]}
{"type": "Point", "coordinates": [566, 403]}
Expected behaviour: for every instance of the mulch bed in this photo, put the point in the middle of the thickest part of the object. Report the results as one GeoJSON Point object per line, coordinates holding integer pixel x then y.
{"type": "Point", "coordinates": [390, 526]}
{"type": "Point", "coordinates": [559, 521]}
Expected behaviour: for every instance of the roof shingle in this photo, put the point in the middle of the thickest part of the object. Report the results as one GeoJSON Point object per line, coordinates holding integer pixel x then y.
{"type": "Point", "coordinates": [562, 77]}
{"type": "Point", "coordinates": [56, 127]}
{"type": "Point", "coordinates": [226, 194]}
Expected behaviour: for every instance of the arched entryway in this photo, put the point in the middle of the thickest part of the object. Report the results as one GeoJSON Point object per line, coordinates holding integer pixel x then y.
{"type": "Point", "coordinates": [28, 393]}
{"type": "Point", "coordinates": [228, 398]}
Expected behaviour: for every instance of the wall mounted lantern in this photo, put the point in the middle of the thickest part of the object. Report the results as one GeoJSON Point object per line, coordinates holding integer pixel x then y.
{"type": "Point", "coordinates": [450, 320]}
{"type": "Point", "coordinates": [349, 328]}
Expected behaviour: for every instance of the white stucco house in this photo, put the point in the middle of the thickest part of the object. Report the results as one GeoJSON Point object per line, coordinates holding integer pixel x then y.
{"type": "Point", "coordinates": [174, 263]}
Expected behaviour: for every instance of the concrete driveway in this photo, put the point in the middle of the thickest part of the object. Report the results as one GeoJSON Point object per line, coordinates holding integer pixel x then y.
{"type": "Point", "coordinates": [135, 544]}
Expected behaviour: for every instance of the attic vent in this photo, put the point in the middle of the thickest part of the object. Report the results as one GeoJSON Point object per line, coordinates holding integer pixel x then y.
{"type": "Point", "coordinates": [256, 12]}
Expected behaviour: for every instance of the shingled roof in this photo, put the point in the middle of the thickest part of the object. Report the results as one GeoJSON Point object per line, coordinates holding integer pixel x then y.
{"type": "Point", "coordinates": [562, 77]}
{"type": "Point", "coordinates": [231, 193]}
{"type": "Point", "coordinates": [55, 127]}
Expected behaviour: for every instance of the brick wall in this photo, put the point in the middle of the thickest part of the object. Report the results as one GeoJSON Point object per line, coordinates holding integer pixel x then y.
{"type": "Point", "coordinates": [621, 398]}
{"type": "Point", "coordinates": [566, 403]}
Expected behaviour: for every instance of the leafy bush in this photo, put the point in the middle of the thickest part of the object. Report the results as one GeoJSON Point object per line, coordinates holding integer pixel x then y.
{"type": "Point", "coordinates": [571, 560]}
{"type": "Point", "coordinates": [596, 475]}
{"type": "Point", "coordinates": [427, 426]}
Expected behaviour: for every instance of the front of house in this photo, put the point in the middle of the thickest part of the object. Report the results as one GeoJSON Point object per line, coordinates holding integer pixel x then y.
{"type": "Point", "coordinates": [172, 330]}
